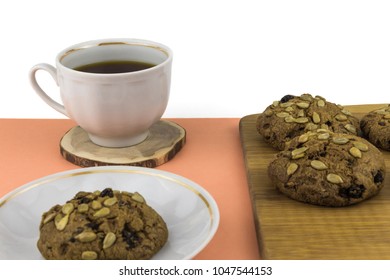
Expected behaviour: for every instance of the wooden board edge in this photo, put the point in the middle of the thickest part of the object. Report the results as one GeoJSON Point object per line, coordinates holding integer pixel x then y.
{"type": "Point", "coordinates": [261, 245]}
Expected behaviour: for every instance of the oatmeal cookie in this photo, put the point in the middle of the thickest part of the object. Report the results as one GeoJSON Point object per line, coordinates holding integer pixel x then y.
{"type": "Point", "coordinates": [102, 225]}
{"type": "Point", "coordinates": [376, 127]}
{"type": "Point", "coordinates": [330, 169]}
{"type": "Point", "coordinates": [294, 115]}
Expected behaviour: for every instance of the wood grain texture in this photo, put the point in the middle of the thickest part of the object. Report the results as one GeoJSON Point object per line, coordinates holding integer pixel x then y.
{"type": "Point", "coordinates": [165, 140]}
{"type": "Point", "coordinates": [288, 229]}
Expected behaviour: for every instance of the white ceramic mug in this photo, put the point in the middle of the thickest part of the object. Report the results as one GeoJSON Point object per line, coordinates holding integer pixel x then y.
{"type": "Point", "coordinates": [116, 110]}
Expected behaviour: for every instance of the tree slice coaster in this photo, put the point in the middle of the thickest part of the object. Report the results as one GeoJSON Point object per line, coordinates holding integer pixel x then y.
{"type": "Point", "coordinates": [165, 140]}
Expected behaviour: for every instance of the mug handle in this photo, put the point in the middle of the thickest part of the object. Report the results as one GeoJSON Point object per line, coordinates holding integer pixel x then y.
{"type": "Point", "coordinates": [53, 72]}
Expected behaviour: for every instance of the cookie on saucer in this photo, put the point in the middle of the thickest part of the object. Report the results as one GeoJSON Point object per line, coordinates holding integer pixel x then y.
{"type": "Point", "coordinates": [102, 225]}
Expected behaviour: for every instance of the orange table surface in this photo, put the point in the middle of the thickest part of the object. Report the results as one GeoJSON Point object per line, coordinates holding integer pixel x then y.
{"type": "Point", "coordinates": [211, 157]}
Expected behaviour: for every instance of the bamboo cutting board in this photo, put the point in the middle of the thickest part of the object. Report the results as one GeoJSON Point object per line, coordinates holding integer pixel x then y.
{"type": "Point", "coordinates": [288, 229]}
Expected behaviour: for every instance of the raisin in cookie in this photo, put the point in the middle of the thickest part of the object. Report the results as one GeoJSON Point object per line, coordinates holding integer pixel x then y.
{"type": "Point", "coordinates": [376, 127]}
{"type": "Point", "coordinates": [329, 169]}
{"type": "Point", "coordinates": [294, 115]}
{"type": "Point", "coordinates": [102, 225]}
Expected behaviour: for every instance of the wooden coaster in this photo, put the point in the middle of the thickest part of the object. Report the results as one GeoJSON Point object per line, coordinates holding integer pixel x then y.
{"type": "Point", "coordinates": [165, 140]}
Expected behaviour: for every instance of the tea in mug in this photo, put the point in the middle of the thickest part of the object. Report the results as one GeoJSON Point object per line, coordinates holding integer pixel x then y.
{"type": "Point", "coordinates": [114, 67]}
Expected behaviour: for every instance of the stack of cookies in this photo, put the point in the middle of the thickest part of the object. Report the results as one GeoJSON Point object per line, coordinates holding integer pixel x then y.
{"type": "Point", "coordinates": [323, 159]}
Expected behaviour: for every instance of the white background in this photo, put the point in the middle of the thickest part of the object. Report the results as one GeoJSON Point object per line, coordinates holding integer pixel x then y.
{"type": "Point", "coordinates": [231, 58]}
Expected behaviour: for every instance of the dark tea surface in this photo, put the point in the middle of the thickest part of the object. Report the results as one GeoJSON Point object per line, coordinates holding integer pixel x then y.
{"type": "Point", "coordinates": [112, 67]}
